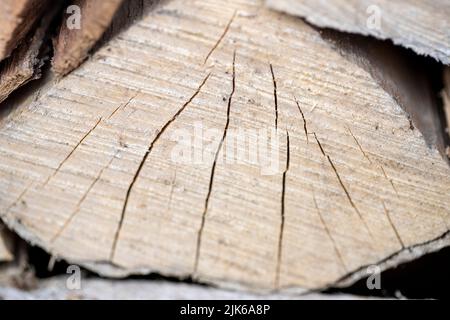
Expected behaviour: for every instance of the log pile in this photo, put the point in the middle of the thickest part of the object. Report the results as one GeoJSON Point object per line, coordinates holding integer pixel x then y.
{"type": "Point", "coordinates": [350, 168]}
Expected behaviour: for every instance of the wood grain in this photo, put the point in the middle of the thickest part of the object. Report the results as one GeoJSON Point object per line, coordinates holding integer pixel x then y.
{"type": "Point", "coordinates": [421, 25]}
{"type": "Point", "coordinates": [408, 78]}
{"type": "Point", "coordinates": [87, 170]}
{"type": "Point", "coordinates": [72, 46]}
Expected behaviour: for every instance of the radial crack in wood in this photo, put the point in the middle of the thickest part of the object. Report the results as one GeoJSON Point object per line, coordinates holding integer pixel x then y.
{"type": "Point", "coordinates": [421, 25]}
{"type": "Point", "coordinates": [90, 132]}
{"type": "Point", "coordinates": [409, 79]}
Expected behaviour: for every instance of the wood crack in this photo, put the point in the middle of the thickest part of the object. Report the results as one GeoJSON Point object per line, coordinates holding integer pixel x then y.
{"type": "Point", "coordinates": [275, 95]}
{"type": "Point", "coordinates": [123, 106]}
{"type": "Point", "coordinates": [348, 196]}
{"type": "Point", "coordinates": [77, 209]}
{"type": "Point", "coordinates": [397, 234]}
{"type": "Point", "coordinates": [359, 145]}
{"type": "Point", "coordinates": [305, 128]}
{"type": "Point", "coordinates": [72, 152]}
{"type": "Point", "coordinates": [389, 179]}
{"type": "Point", "coordinates": [19, 198]}
{"type": "Point", "coordinates": [319, 144]}
{"type": "Point", "coordinates": [322, 220]}
{"type": "Point", "coordinates": [144, 158]}
{"type": "Point", "coordinates": [283, 207]}
{"type": "Point", "coordinates": [224, 33]}
{"type": "Point", "coordinates": [213, 168]}
{"type": "Point", "coordinates": [344, 188]}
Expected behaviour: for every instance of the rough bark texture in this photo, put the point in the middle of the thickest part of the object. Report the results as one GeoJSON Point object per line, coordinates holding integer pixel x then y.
{"type": "Point", "coordinates": [72, 46]}
{"type": "Point", "coordinates": [87, 169]}
{"type": "Point", "coordinates": [26, 61]}
{"type": "Point", "coordinates": [421, 25]}
{"type": "Point", "coordinates": [17, 18]}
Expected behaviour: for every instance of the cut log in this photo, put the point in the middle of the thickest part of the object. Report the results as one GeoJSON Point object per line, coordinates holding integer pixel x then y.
{"type": "Point", "coordinates": [73, 44]}
{"type": "Point", "coordinates": [421, 25]}
{"type": "Point", "coordinates": [6, 254]}
{"type": "Point", "coordinates": [26, 61]}
{"type": "Point", "coordinates": [17, 18]}
{"type": "Point", "coordinates": [91, 168]}
{"type": "Point", "coordinates": [408, 78]}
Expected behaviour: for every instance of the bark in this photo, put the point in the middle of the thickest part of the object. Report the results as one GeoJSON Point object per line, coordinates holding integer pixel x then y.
{"type": "Point", "coordinates": [18, 17]}
{"type": "Point", "coordinates": [26, 61]}
{"type": "Point", "coordinates": [72, 46]}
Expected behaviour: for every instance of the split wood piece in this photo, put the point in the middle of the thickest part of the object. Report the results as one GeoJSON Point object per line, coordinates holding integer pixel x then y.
{"type": "Point", "coordinates": [17, 18]}
{"type": "Point", "coordinates": [93, 170]}
{"type": "Point", "coordinates": [6, 254]}
{"type": "Point", "coordinates": [26, 61]}
{"type": "Point", "coordinates": [446, 98]}
{"type": "Point", "coordinates": [72, 45]}
{"type": "Point", "coordinates": [421, 25]}
{"type": "Point", "coordinates": [408, 78]}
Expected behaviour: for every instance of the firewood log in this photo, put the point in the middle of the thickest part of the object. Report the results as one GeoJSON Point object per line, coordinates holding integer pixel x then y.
{"type": "Point", "coordinates": [73, 44]}
{"type": "Point", "coordinates": [421, 25]}
{"type": "Point", "coordinates": [132, 163]}
{"type": "Point", "coordinates": [17, 18]}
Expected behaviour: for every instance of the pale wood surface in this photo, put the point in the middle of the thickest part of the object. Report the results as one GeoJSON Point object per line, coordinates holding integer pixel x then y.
{"type": "Point", "coordinates": [5, 245]}
{"type": "Point", "coordinates": [72, 45]}
{"type": "Point", "coordinates": [405, 77]}
{"type": "Point", "coordinates": [421, 25]}
{"type": "Point", "coordinates": [17, 18]}
{"type": "Point", "coordinates": [71, 154]}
